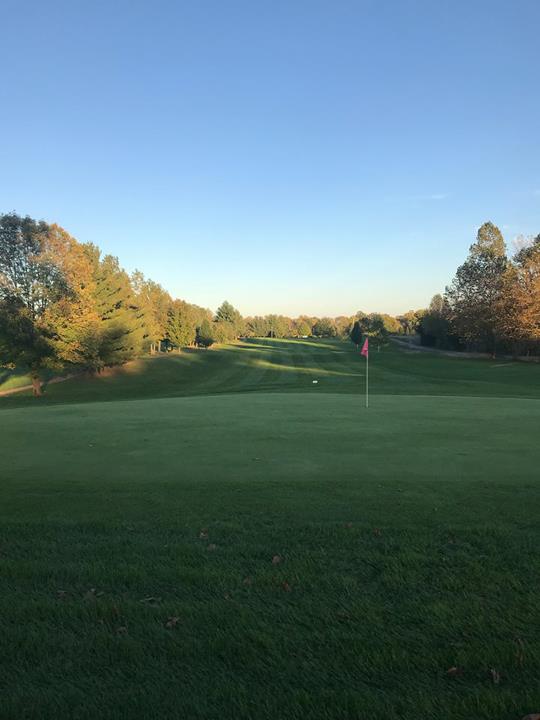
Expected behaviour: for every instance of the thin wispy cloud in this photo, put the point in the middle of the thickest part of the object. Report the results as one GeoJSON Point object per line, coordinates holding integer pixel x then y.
{"type": "Point", "coordinates": [421, 198]}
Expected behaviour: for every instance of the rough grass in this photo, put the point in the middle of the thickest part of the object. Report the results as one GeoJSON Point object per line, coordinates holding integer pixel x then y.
{"type": "Point", "coordinates": [137, 539]}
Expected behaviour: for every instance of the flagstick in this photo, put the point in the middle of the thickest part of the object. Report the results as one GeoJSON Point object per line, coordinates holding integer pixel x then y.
{"type": "Point", "coordinates": [367, 380]}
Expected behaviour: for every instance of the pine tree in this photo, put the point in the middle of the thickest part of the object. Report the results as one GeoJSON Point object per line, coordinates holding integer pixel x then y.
{"type": "Point", "coordinates": [121, 331]}
{"type": "Point", "coordinates": [230, 322]}
{"type": "Point", "coordinates": [181, 324]}
{"type": "Point", "coordinates": [356, 333]}
{"type": "Point", "coordinates": [205, 334]}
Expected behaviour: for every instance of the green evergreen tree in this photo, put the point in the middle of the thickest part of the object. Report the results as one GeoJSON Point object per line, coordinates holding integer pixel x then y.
{"type": "Point", "coordinates": [231, 322]}
{"type": "Point", "coordinates": [205, 334]}
{"type": "Point", "coordinates": [122, 325]}
{"type": "Point", "coordinates": [356, 333]}
{"type": "Point", "coordinates": [181, 324]}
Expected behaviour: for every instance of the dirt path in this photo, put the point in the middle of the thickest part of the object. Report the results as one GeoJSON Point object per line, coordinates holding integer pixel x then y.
{"type": "Point", "coordinates": [415, 348]}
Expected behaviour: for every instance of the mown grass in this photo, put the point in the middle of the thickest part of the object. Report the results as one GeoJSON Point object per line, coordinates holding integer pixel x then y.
{"type": "Point", "coordinates": [137, 539]}
{"type": "Point", "coordinates": [262, 365]}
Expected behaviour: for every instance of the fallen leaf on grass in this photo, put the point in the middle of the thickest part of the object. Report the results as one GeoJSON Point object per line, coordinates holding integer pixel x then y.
{"type": "Point", "coordinates": [150, 600]}
{"type": "Point", "coordinates": [61, 594]}
{"type": "Point", "coordinates": [285, 585]}
{"type": "Point", "coordinates": [377, 532]}
{"type": "Point", "coordinates": [247, 581]}
{"type": "Point", "coordinates": [92, 594]}
{"type": "Point", "coordinates": [276, 559]}
{"type": "Point", "coordinates": [495, 676]}
{"type": "Point", "coordinates": [454, 671]}
{"type": "Point", "coordinates": [532, 716]}
{"type": "Point", "coordinates": [122, 630]}
{"type": "Point", "coordinates": [172, 622]}
{"type": "Point", "coordinates": [212, 547]}
{"type": "Point", "coordinates": [349, 524]}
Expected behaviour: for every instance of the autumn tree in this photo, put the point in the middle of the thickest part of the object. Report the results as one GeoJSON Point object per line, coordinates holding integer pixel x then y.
{"type": "Point", "coordinates": [474, 296]}
{"type": "Point", "coordinates": [519, 305]}
{"type": "Point", "coordinates": [302, 326]}
{"type": "Point", "coordinates": [257, 326]}
{"type": "Point", "coordinates": [409, 322]}
{"type": "Point", "coordinates": [30, 283]}
{"type": "Point", "coordinates": [72, 320]}
{"type": "Point", "coordinates": [374, 326]}
{"type": "Point", "coordinates": [343, 325]}
{"type": "Point", "coordinates": [489, 241]}
{"type": "Point", "coordinates": [154, 304]}
{"type": "Point", "coordinates": [325, 327]}
{"type": "Point", "coordinates": [278, 326]}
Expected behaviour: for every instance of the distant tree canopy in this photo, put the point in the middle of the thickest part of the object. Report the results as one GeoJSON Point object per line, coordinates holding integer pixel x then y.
{"type": "Point", "coordinates": [63, 304]}
{"type": "Point", "coordinates": [493, 302]}
{"type": "Point", "coordinates": [31, 284]}
{"type": "Point", "coordinates": [410, 321]}
{"type": "Point", "coordinates": [181, 330]}
{"type": "Point", "coordinates": [325, 327]}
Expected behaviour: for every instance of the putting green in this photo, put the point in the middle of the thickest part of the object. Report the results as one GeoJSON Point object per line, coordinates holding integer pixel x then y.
{"type": "Point", "coordinates": [273, 437]}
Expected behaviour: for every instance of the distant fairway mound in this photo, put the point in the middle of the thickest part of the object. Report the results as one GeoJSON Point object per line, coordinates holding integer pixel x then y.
{"type": "Point", "coordinates": [272, 365]}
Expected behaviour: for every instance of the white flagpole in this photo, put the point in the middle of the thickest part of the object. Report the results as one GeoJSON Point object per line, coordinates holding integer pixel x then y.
{"type": "Point", "coordinates": [367, 379]}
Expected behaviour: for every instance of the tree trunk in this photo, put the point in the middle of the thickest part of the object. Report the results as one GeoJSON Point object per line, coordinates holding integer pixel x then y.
{"type": "Point", "coordinates": [36, 386]}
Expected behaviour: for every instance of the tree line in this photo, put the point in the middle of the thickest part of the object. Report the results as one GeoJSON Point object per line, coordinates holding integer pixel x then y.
{"type": "Point", "coordinates": [493, 302]}
{"type": "Point", "coordinates": [63, 304]}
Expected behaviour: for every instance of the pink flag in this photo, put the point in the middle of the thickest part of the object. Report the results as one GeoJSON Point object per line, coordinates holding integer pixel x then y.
{"type": "Point", "coordinates": [365, 349]}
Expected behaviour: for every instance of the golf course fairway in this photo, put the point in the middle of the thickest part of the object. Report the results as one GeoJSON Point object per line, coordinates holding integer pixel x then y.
{"type": "Point", "coordinates": [213, 535]}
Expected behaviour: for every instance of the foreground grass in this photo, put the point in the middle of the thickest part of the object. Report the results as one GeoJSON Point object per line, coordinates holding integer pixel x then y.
{"type": "Point", "coordinates": [137, 541]}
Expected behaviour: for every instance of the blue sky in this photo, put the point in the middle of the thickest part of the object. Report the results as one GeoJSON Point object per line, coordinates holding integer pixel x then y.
{"type": "Point", "coordinates": [291, 156]}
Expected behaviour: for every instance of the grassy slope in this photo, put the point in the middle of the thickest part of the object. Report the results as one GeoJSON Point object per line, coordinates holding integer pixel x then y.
{"type": "Point", "coordinates": [408, 536]}
{"type": "Point", "coordinates": [291, 366]}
